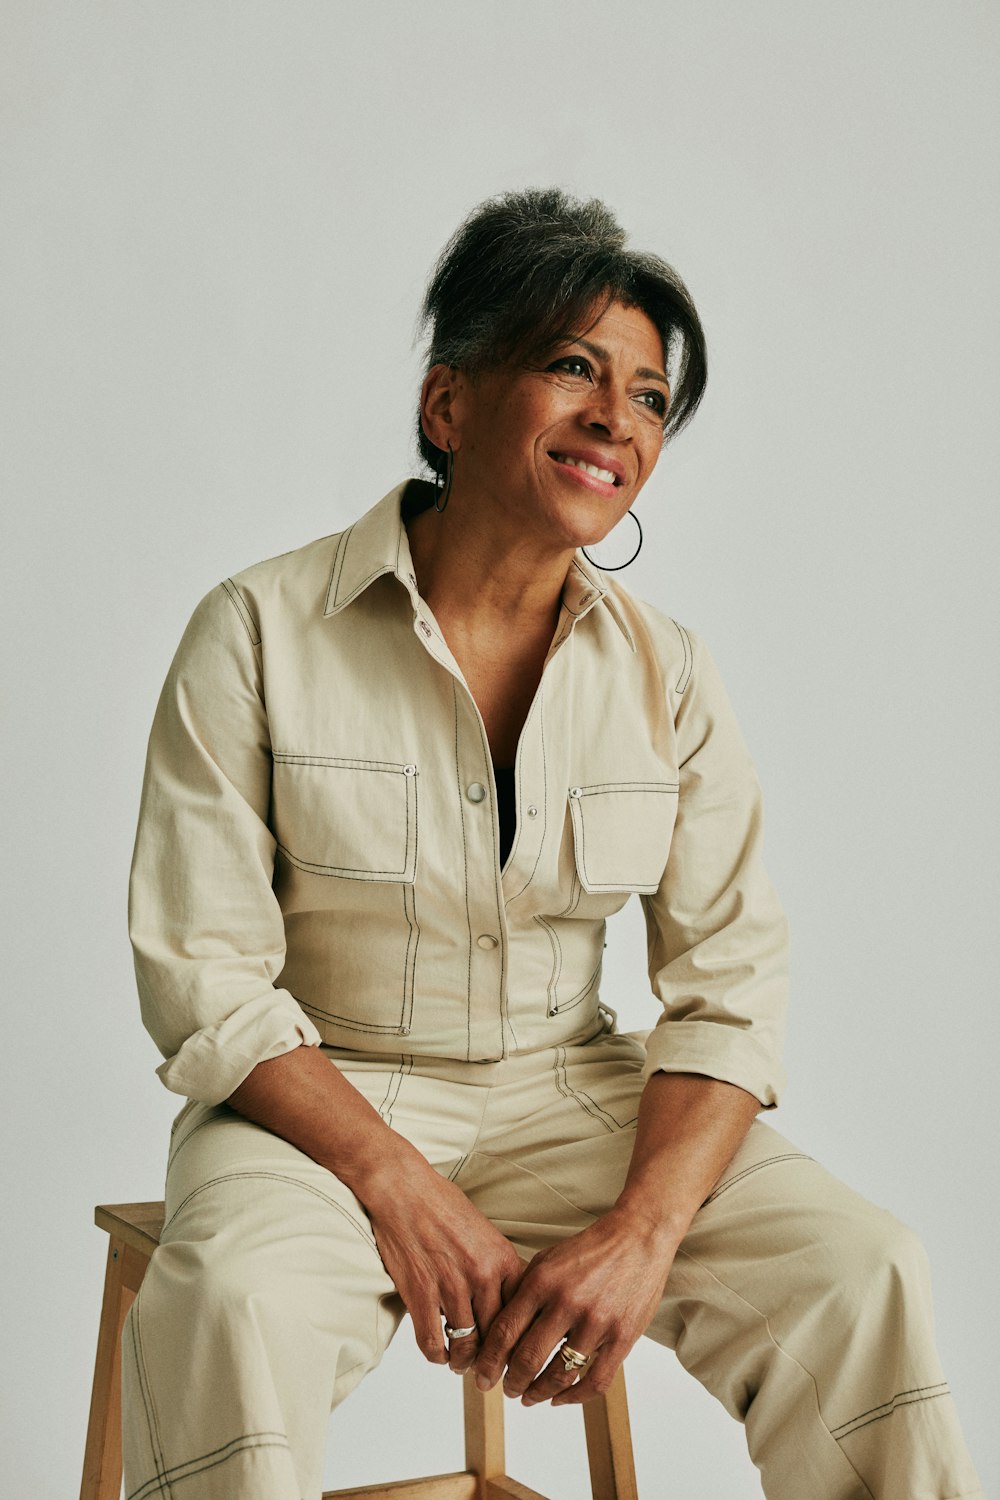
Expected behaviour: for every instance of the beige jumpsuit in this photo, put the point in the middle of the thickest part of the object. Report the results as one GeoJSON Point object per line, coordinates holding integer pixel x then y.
{"type": "Point", "coordinates": [317, 864]}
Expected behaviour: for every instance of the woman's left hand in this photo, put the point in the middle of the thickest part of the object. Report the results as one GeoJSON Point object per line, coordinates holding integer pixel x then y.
{"type": "Point", "coordinates": [598, 1291]}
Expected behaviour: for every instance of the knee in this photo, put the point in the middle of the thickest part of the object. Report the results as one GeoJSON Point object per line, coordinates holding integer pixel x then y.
{"type": "Point", "coordinates": [876, 1255]}
{"type": "Point", "coordinates": [200, 1286]}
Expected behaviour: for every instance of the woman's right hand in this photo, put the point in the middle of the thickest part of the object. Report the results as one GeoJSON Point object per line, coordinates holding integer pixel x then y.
{"type": "Point", "coordinates": [446, 1258]}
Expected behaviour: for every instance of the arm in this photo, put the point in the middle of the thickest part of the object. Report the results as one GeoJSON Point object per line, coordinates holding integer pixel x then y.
{"type": "Point", "coordinates": [444, 1256]}
{"type": "Point", "coordinates": [209, 942]}
{"type": "Point", "coordinates": [600, 1288]}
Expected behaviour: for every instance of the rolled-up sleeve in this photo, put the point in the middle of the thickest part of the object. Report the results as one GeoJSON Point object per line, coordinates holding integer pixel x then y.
{"type": "Point", "coordinates": [206, 929]}
{"type": "Point", "coordinates": [717, 935]}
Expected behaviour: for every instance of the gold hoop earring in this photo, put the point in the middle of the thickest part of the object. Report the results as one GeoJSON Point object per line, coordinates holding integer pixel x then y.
{"type": "Point", "coordinates": [443, 484]}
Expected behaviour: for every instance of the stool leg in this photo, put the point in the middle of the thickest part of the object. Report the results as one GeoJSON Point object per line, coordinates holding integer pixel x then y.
{"type": "Point", "coordinates": [484, 1446]}
{"type": "Point", "coordinates": [609, 1444]}
{"type": "Point", "coordinates": [102, 1463]}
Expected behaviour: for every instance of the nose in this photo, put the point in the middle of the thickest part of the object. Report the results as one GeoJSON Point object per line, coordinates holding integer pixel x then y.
{"type": "Point", "coordinates": [610, 412]}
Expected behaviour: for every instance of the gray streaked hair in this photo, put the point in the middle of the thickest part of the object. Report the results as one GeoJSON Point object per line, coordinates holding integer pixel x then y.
{"type": "Point", "coordinates": [528, 270]}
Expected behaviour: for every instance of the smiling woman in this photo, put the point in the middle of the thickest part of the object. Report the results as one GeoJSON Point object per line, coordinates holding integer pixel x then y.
{"type": "Point", "coordinates": [397, 782]}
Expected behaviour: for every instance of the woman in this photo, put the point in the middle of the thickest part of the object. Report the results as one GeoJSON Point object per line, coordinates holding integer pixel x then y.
{"type": "Point", "coordinates": [396, 782]}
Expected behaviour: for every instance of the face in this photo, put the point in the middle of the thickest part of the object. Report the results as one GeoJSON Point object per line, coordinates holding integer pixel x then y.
{"type": "Point", "coordinates": [559, 451]}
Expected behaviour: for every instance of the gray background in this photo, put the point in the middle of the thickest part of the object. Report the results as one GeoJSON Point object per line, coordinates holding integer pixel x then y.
{"type": "Point", "coordinates": [218, 220]}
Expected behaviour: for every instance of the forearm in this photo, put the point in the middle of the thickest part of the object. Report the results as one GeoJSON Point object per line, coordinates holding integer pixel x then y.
{"type": "Point", "coordinates": [305, 1098]}
{"type": "Point", "coordinates": [688, 1130]}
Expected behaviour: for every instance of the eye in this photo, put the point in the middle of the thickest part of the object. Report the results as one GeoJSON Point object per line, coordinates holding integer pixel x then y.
{"type": "Point", "coordinates": [572, 364]}
{"type": "Point", "coordinates": [655, 401]}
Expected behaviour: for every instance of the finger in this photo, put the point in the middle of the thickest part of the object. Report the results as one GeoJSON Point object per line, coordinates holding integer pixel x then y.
{"type": "Point", "coordinates": [597, 1377]}
{"type": "Point", "coordinates": [529, 1357]}
{"type": "Point", "coordinates": [462, 1345]}
{"type": "Point", "coordinates": [504, 1332]}
{"type": "Point", "coordinates": [559, 1376]}
{"type": "Point", "coordinates": [427, 1329]}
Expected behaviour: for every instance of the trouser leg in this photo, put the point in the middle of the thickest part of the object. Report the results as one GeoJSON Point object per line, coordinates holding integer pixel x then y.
{"type": "Point", "coordinates": [804, 1309]}
{"type": "Point", "coordinates": [264, 1305]}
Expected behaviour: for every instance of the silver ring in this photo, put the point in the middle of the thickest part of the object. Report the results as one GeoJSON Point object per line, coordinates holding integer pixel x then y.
{"type": "Point", "coordinates": [459, 1333]}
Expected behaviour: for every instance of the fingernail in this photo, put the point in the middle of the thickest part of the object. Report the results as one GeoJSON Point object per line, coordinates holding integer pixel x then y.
{"type": "Point", "coordinates": [528, 1401]}
{"type": "Point", "coordinates": [483, 1382]}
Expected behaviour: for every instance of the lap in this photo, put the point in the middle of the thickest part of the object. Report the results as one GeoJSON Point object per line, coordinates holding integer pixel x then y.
{"type": "Point", "coordinates": [541, 1144]}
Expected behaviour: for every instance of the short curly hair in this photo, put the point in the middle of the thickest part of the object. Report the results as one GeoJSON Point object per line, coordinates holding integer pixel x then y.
{"type": "Point", "coordinates": [527, 270]}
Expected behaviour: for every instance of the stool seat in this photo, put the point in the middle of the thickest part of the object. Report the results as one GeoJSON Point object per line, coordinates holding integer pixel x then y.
{"type": "Point", "coordinates": [134, 1230]}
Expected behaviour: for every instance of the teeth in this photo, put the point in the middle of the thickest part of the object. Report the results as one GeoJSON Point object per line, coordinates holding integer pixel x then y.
{"type": "Point", "coordinates": [577, 463]}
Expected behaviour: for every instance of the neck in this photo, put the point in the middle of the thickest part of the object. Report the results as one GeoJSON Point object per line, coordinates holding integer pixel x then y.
{"type": "Point", "coordinates": [470, 565]}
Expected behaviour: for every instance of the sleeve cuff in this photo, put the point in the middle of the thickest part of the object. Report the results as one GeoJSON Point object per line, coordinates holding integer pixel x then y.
{"type": "Point", "coordinates": [717, 1051]}
{"type": "Point", "coordinates": [213, 1062]}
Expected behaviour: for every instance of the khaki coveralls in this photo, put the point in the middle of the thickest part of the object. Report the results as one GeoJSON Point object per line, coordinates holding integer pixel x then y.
{"type": "Point", "coordinates": [317, 863]}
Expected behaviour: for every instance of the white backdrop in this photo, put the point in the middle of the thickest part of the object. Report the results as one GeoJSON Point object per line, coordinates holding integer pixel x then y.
{"type": "Point", "coordinates": [218, 219]}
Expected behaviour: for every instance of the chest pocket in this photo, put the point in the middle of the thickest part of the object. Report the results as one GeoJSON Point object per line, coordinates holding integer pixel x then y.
{"type": "Point", "coordinates": [356, 819]}
{"type": "Point", "coordinates": [621, 834]}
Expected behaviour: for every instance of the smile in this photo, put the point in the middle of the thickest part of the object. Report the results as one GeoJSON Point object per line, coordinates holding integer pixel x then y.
{"type": "Point", "coordinates": [606, 475]}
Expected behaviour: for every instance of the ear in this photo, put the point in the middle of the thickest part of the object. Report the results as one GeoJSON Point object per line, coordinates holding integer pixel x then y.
{"type": "Point", "coordinates": [440, 406]}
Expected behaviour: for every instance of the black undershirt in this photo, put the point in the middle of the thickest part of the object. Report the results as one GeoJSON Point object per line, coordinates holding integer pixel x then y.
{"type": "Point", "coordinates": [506, 809]}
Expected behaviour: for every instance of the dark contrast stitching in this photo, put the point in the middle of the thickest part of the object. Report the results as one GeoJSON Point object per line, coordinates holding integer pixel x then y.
{"type": "Point", "coordinates": [344, 872]}
{"type": "Point", "coordinates": [545, 804]}
{"type": "Point", "coordinates": [338, 762]}
{"type": "Point", "coordinates": [465, 869]}
{"type": "Point", "coordinates": [749, 1171]}
{"type": "Point", "coordinates": [393, 1087]}
{"type": "Point", "coordinates": [569, 1092]}
{"type": "Point", "coordinates": [179, 1145]}
{"type": "Point", "coordinates": [579, 826]}
{"type": "Point", "coordinates": [879, 1413]}
{"type": "Point", "coordinates": [688, 663]}
{"type": "Point", "coordinates": [140, 1375]}
{"type": "Point", "coordinates": [584, 992]}
{"type": "Point", "coordinates": [552, 988]}
{"type": "Point", "coordinates": [243, 610]}
{"type": "Point", "coordinates": [305, 1187]}
{"type": "Point", "coordinates": [338, 568]}
{"type": "Point", "coordinates": [238, 1445]}
{"type": "Point", "coordinates": [351, 1022]}
{"type": "Point", "coordinates": [498, 898]}
{"type": "Point", "coordinates": [410, 958]}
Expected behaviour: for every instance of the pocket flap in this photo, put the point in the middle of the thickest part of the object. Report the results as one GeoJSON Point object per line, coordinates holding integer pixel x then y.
{"type": "Point", "coordinates": [621, 833]}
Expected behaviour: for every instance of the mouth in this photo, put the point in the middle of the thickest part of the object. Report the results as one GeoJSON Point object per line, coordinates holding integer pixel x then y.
{"type": "Point", "coordinates": [586, 466]}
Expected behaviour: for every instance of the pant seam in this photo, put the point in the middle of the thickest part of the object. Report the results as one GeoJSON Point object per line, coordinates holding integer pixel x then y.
{"type": "Point", "coordinates": [686, 1255]}
{"type": "Point", "coordinates": [885, 1408]}
{"type": "Point", "coordinates": [563, 1085]}
{"type": "Point", "coordinates": [246, 1443]}
{"type": "Point", "coordinates": [274, 1177]}
{"type": "Point", "coordinates": [537, 1176]}
{"type": "Point", "coordinates": [145, 1390]}
{"type": "Point", "coordinates": [749, 1171]}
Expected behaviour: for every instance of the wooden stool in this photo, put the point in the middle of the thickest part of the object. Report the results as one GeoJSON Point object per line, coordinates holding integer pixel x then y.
{"type": "Point", "coordinates": [135, 1233]}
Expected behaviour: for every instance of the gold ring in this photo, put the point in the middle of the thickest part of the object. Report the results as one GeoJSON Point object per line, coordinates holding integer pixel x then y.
{"type": "Point", "coordinates": [572, 1358]}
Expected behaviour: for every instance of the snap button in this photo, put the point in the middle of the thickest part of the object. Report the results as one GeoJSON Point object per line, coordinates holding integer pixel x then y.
{"type": "Point", "coordinates": [486, 941]}
{"type": "Point", "coordinates": [409, 770]}
{"type": "Point", "coordinates": [475, 791]}
{"type": "Point", "coordinates": [532, 812]}
{"type": "Point", "coordinates": [576, 791]}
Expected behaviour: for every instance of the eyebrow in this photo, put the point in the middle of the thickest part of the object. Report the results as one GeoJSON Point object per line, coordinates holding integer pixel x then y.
{"type": "Point", "coordinates": [599, 353]}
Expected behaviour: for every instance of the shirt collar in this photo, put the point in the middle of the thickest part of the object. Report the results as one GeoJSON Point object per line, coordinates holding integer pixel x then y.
{"type": "Point", "coordinates": [377, 544]}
